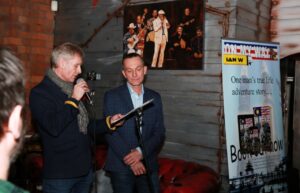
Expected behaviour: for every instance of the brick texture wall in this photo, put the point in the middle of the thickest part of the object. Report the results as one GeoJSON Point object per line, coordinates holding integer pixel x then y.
{"type": "Point", "coordinates": [26, 27]}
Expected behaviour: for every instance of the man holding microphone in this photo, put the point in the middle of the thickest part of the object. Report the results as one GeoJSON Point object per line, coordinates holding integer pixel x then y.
{"type": "Point", "coordinates": [64, 125]}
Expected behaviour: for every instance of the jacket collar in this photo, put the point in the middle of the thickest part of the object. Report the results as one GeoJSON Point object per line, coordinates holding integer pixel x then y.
{"type": "Point", "coordinates": [126, 96]}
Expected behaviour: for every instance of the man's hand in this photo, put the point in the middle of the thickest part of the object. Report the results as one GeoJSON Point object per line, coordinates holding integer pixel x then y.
{"type": "Point", "coordinates": [130, 40]}
{"type": "Point", "coordinates": [138, 168]}
{"type": "Point", "coordinates": [80, 89]}
{"type": "Point", "coordinates": [168, 25]}
{"type": "Point", "coordinates": [133, 157]}
{"type": "Point", "coordinates": [114, 118]}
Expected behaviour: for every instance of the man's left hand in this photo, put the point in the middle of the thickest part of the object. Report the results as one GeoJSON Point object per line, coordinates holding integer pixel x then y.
{"type": "Point", "coordinates": [133, 157]}
{"type": "Point", "coordinates": [138, 168]}
{"type": "Point", "coordinates": [114, 118]}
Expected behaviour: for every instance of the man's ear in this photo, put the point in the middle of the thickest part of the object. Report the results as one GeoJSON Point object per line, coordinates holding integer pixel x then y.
{"type": "Point", "coordinates": [15, 121]}
{"type": "Point", "coordinates": [123, 72]}
{"type": "Point", "coordinates": [145, 70]}
{"type": "Point", "coordinates": [61, 62]}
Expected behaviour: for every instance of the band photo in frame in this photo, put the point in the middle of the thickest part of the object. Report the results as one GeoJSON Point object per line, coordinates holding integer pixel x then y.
{"type": "Point", "coordinates": [168, 35]}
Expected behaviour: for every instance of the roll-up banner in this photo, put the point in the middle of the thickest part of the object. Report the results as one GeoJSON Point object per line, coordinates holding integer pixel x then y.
{"type": "Point", "coordinates": [253, 117]}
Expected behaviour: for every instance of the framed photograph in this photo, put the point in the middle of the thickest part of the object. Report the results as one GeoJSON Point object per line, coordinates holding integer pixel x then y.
{"type": "Point", "coordinates": [168, 35]}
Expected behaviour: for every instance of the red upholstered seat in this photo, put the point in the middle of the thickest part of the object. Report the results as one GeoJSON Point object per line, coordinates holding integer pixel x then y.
{"type": "Point", "coordinates": [178, 176]}
{"type": "Point", "coordinates": [169, 170]}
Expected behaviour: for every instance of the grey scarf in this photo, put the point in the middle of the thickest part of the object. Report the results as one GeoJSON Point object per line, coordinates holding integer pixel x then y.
{"type": "Point", "coordinates": [67, 88]}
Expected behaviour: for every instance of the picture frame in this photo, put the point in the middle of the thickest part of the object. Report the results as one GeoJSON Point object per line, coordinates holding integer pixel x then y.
{"type": "Point", "coordinates": [168, 35]}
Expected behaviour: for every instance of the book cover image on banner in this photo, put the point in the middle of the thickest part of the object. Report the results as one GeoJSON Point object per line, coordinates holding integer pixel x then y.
{"type": "Point", "coordinates": [253, 117]}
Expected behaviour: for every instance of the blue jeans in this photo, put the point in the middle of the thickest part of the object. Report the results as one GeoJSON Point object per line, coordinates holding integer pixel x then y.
{"type": "Point", "coordinates": [127, 182]}
{"type": "Point", "coordinates": [70, 185]}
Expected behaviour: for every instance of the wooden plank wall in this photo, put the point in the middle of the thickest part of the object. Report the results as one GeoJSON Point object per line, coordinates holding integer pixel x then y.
{"type": "Point", "coordinates": [253, 20]}
{"type": "Point", "coordinates": [285, 27]}
{"type": "Point", "coordinates": [192, 99]}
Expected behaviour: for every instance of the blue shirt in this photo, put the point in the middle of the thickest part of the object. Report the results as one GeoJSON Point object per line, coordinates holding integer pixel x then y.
{"type": "Point", "coordinates": [137, 100]}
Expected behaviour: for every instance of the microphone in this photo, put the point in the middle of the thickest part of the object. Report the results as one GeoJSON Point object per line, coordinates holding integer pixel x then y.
{"type": "Point", "coordinates": [87, 94]}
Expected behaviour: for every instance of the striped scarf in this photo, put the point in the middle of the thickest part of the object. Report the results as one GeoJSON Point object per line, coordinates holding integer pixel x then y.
{"type": "Point", "coordinates": [67, 88]}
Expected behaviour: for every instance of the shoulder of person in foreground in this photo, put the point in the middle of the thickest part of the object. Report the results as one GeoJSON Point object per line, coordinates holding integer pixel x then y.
{"type": "Point", "coordinates": [8, 187]}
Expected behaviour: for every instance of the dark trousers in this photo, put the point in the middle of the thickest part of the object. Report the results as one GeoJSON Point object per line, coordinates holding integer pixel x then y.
{"type": "Point", "coordinates": [127, 182]}
{"type": "Point", "coordinates": [71, 185]}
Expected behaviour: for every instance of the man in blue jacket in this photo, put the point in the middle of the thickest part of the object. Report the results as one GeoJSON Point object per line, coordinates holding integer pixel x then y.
{"type": "Point", "coordinates": [125, 160]}
{"type": "Point", "coordinates": [63, 123]}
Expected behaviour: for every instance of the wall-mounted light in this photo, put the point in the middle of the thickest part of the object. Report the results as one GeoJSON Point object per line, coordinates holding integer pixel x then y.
{"type": "Point", "coordinates": [54, 5]}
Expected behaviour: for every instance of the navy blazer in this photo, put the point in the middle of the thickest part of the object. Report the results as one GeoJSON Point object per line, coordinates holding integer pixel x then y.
{"type": "Point", "coordinates": [124, 139]}
{"type": "Point", "coordinates": [66, 150]}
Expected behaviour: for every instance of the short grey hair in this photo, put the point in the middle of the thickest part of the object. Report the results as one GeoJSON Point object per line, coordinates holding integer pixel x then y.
{"type": "Point", "coordinates": [66, 50]}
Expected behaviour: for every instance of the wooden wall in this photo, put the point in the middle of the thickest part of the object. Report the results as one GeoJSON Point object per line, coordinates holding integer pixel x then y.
{"type": "Point", "coordinates": [192, 99]}
{"type": "Point", "coordinates": [253, 20]}
{"type": "Point", "coordinates": [285, 27]}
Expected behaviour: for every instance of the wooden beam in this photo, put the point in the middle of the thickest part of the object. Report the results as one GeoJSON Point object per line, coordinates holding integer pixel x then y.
{"type": "Point", "coordinates": [110, 17]}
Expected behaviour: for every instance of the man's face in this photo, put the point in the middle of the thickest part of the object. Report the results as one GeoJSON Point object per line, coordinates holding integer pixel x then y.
{"type": "Point", "coordinates": [187, 11]}
{"type": "Point", "coordinates": [131, 31]}
{"type": "Point", "coordinates": [134, 71]}
{"type": "Point", "coordinates": [179, 30]}
{"type": "Point", "coordinates": [199, 33]}
{"type": "Point", "coordinates": [154, 13]}
{"type": "Point", "coordinates": [139, 19]}
{"type": "Point", "coordinates": [70, 67]}
{"type": "Point", "coordinates": [161, 16]}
